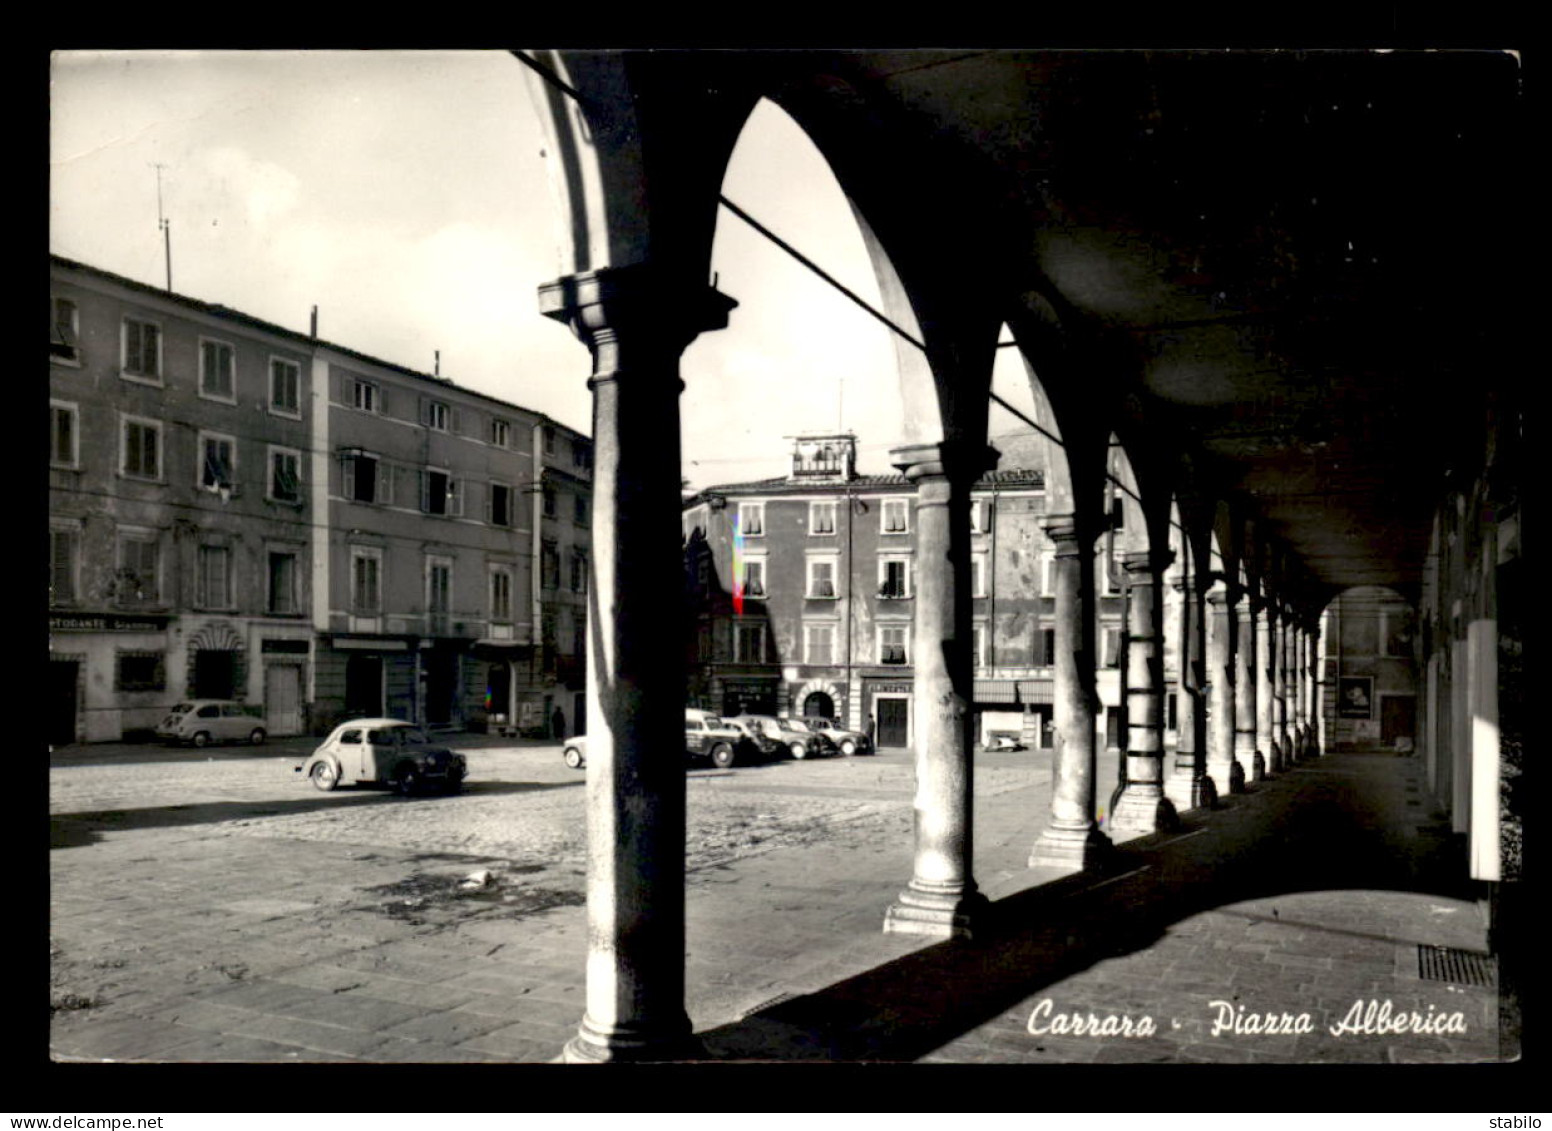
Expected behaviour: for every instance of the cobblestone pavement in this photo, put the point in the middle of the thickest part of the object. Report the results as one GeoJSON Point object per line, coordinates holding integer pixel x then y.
{"type": "Point", "coordinates": [223, 911]}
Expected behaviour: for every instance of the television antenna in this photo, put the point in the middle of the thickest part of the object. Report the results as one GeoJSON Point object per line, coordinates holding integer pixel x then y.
{"type": "Point", "coordinates": [163, 224]}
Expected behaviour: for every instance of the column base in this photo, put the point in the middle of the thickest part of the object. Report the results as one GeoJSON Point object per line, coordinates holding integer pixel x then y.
{"type": "Point", "coordinates": [1187, 789]}
{"type": "Point", "coordinates": [1258, 767]}
{"type": "Point", "coordinates": [1237, 777]}
{"type": "Point", "coordinates": [594, 1045]}
{"type": "Point", "coordinates": [1074, 849]}
{"type": "Point", "coordinates": [939, 915]}
{"type": "Point", "coordinates": [1143, 808]}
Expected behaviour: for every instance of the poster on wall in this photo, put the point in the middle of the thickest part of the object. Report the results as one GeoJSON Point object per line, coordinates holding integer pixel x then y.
{"type": "Point", "coordinates": [1355, 697]}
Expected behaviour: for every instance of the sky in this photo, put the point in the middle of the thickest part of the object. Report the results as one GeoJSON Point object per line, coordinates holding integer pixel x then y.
{"type": "Point", "coordinates": [404, 194]}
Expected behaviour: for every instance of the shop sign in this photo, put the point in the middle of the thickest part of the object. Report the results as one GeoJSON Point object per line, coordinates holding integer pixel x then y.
{"type": "Point", "coordinates": [106, 622]}
{"type": "Point", "coordinates": [890, 688]}
{"type": "Point", "coordinates": [291, 647]}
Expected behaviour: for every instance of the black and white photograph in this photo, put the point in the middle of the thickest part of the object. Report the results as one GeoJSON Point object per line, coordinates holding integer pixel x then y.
{"type": "Point", "coordinates": [913, 556]}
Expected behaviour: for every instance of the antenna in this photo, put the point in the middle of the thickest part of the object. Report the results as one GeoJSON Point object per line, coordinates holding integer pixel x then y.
{"type": "Point", "coordinates": [164, 224]}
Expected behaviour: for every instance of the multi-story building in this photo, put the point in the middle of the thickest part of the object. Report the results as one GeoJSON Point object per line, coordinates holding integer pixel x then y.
{"type": "Point", "coordinates": [800, 590]}
{"type": "Point", "coordinates": [291, 523]}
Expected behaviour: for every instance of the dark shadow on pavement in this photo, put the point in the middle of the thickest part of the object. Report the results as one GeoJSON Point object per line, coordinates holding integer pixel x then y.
{"type": "Point", "coordinates": [1309, 830]}
{"type": "Point", "coordinates": [71, 830]}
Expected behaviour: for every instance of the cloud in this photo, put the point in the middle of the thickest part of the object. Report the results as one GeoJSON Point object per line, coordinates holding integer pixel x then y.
{"type": "Point", "coordinates": [239, 185]}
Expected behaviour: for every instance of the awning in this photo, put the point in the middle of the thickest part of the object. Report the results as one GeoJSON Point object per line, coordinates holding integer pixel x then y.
{"type": "Point", "coordinates": [1019, 691]}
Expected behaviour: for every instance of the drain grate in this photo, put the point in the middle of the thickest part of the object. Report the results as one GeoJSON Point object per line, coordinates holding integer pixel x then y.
{"type": "Point", "coordinates": [1458, 967]}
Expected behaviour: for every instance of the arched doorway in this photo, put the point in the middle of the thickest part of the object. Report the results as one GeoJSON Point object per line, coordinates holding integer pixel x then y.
{"type": "Point", "coordinates": [819, 706]}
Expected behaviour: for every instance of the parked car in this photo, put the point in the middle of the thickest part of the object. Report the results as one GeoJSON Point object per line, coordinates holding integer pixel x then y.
{"type": "Point", "coordinates": [203, 721]}
{"type": "Point", "coordinates": [755, 741]}
{"type": "Point", "coordinates": [1003, 742]}
{"type": "Point", "coordinates": [383, 752]}
{"type": "Point", "coordinates": [798, 740]}
{"type": "Point", "coordinates": [708, 736]}
{"type": "Point", "coordinates": [705, 736]}
{"type": "Point", "coordinates": [848, 742]}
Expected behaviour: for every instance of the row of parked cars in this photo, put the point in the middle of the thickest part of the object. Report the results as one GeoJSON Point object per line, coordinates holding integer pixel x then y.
{"type": "Point", "coordinates": [745, 738]}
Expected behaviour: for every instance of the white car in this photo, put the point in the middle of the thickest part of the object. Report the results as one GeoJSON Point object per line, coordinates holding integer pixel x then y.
{"type": "Point", "coordinates": [386, 752]}
{"type": "Point", "coordinates": [203, 721]}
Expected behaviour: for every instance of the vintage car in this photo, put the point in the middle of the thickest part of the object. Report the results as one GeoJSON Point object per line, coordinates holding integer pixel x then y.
{"type": "Point", "coordinates": [384, 752]}
{"type": "Point", "coordinates": [705, 736]}
{"type": "Point", "coordinates": [848, 742]}
{"type": "Point", "coordinates": [755, 740]}
{"type": "Point", "coordinates": [797, 739]}
{"type": "Point", "coordinates": [203, 721]}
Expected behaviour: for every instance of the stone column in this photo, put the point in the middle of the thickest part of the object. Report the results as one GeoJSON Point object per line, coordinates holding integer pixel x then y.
{"type": "Point", "coordinates": [636, 321]}
{"type": "Point", "coordinates": [1288, 681]}
{"type": "Point", "coordinates": [1072, 841]}
{"type": "Point", "coordinates": [1223, 771]}
{"type": "Point", "coordinates": [1187, 785]}
{"type": "Point", "coordinates": [1265, 748]}
{"type": "Point", "coordinates": [1301, 663]}
{"type": "Point", "coordinates": [1248, 760]}
{"type": "Point", "coordinates": [1315, 692]}
{"type": "Point", "coordinates": [942, 899]}
{"type": "Point", "coordinates": [1142, 807]}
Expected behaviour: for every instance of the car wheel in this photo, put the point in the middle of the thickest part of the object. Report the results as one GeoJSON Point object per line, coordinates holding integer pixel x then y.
{"type": "Point", "coordinates": [201, 740]}
{"type": "Point", "coordinates": [848, 747]}
{"type": "Point", "coordinates": [323, 776]}
{"type": "Point", "coordinates": [408, 782]}
{"type": "Point", "coordinates": [798, 751]}
{"type": "Point", "coordinates": [257, 737]}
{"type": "Point", "coordinates": [573, 758]}
{"type": "Point", "coordinates": [722, 755]}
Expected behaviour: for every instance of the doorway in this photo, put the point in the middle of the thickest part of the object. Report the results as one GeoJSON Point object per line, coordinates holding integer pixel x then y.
{"type": "Point", "coordinates": [893, 721]}
{"type": "Point", "coordinates": [819, 706]}
{"type": "Point", "coordinates": [283, 699]}
{"type": "Point", "coordinates": [63, 678]}
{"type": "Point", "coordinates": [1398, 719]}
{"type": "Point", "coordinates": [215, 674]}
{"type": "Point", "coordinates": [364, 687]}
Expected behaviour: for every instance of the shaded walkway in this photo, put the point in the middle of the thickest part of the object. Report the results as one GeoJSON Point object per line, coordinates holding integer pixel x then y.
{"type": "Point", "coordinates": [1304, 898]}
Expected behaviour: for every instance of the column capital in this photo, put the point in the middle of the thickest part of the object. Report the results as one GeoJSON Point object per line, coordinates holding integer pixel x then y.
{"type": "Point", "coordinates": [1141, 561]}
{"type": "Point", "coordinates": [639, 297]}
{"type": "Point", "coordinates": [1063, 530]}
{"type": "Point", "coordinates": [961, 460]}
{"type": "Point", "coordinates": [1218, 598]}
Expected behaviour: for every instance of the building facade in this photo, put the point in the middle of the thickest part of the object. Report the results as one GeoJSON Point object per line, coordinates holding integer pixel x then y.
{"type": "Point", "coordinates": [287, 522]}
{"type": "Point", "coordinates": [801, 592]}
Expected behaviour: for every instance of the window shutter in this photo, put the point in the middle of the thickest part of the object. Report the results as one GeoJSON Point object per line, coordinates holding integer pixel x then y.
{"type": "Point", "coordinates": [455, 497]}
{"type": "Point", "coordinates": [384, 483]}
{"type": "Point", "coordinates": [348, 476]}
{"type": "Point", "coordinates": [425, 491]}
{"type": "Point", "coordinates": [490, 504]}
{"type": "Point", "coordinates": [457, 422]}
{"type": "Point", "coordinates": [425, 412]}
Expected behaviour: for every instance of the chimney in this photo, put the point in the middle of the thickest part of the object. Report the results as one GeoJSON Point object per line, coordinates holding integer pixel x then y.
{"type": "Point", "coordinates": [315, 320]}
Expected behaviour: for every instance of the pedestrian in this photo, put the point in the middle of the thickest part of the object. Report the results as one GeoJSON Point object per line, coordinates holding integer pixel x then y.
{"type": "Point", "coordinates": [872, 729]}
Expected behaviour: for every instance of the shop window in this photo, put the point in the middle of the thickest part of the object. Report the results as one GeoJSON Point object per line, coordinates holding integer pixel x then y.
{"type": "Point", "coordinates": [141, 671]}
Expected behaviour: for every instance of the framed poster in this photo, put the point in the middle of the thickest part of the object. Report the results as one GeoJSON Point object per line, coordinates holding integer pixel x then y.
{"type": "Point", "coordinates": [1355, 697]}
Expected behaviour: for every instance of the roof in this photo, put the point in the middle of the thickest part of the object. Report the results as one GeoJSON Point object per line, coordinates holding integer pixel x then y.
{"type": "Point", "coordinates": [1011, 477]}
{"type": "Point", "coordinates": [216, 310]}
